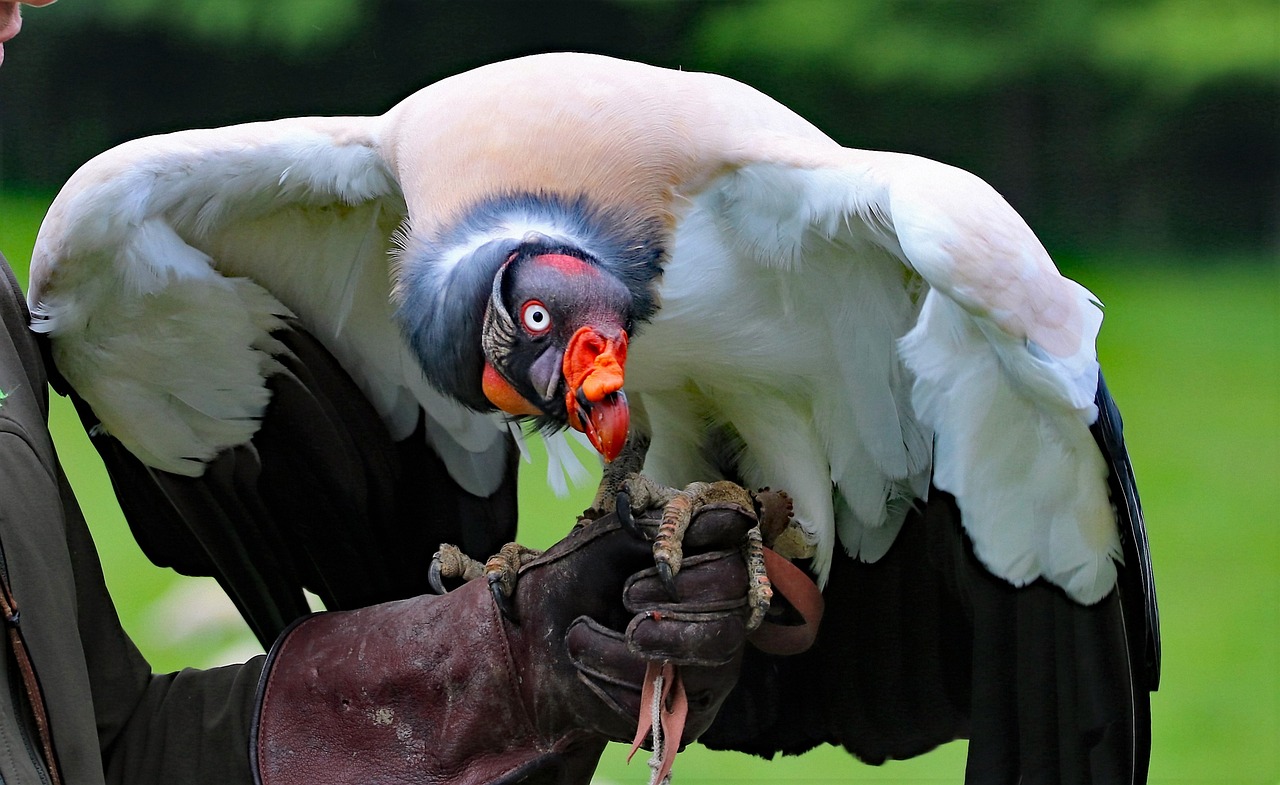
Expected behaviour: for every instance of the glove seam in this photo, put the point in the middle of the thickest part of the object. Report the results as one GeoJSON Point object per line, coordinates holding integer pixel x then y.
{"type": "Point", "coordinates": [513, 676]}
{"type": "Point", "coordinates": [578, 538]}
{"type": "Point", "coordinates": [264, 690]}
{"type": "Point", "coordinates": [542, 745]}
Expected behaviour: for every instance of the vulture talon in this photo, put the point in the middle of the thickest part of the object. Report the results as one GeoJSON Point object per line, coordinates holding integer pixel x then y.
{"type": "Point", "coordinates": [622, 508]}
{"type": "Point", "coordinates": [450, 563]}
{"type": "Point", "coordinates": [502, 572]}
{"type": "Point", "coordinates": [434, 577]}
{"type": "Point", "coordinates": [668, 578]}
{"type": "Point", "coordinates": [503, 600]}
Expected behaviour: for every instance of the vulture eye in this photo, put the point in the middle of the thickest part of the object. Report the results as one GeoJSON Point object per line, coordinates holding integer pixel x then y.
{"type": "Point", "coordinates": [535, 317]}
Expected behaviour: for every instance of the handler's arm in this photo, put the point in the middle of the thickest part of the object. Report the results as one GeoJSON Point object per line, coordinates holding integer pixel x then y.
{"type": "Point", "coordinates": [185, 727]}
{"type": "Point", "coordinates": [449, 692]}
{"type": "Point", "coordinates": [107, 712]}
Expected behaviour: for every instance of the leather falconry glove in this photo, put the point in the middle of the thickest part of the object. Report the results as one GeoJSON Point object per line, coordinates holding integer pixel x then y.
{"type": "Point", "coordinates": [439, 689]}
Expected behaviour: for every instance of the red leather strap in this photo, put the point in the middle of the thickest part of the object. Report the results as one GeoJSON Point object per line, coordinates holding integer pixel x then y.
{"type": "Point", "coordinates": [791, 582]}
{"type": "Point", "coordinates": [672, 710]}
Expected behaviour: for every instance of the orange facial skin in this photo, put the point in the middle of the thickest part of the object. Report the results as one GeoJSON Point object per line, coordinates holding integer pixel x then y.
{"type": "Point", "coordinates": [500, 392]}
{"type": "Point", "coordinates": [594, 371]}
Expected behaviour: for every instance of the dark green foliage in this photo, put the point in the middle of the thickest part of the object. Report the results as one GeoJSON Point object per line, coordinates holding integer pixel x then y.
{"type": "Point", "coordinates": [1144, 123]}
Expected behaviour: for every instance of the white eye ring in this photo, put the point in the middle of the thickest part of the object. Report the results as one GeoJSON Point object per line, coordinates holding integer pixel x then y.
{"type": "Point", "coordinates": [535, 317]}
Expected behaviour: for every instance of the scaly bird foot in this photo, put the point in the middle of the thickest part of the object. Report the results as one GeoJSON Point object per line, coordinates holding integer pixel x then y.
{"type": "Point", "coordinates": [502, 571]}
{"type": "Point", "coordinates": [759, 588]}
{"type": "Point", "coordinates": [639, 493]}
{"type": "Point", "coordinates": [450, 564]}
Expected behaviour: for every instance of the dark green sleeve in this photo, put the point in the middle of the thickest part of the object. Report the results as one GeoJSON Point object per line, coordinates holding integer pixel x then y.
{"type": "Point", "coordinates": [191, 726]}
{"type": "Point", "coordinates": [111, 717]}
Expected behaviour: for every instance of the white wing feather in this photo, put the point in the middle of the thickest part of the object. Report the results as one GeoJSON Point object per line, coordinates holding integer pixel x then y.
{"type": "Point", "coordinates": [1006, 373]}
{"type": "Point", "coordinates": [803, 369]}
{"type": "Point", "coordinates": [165, 262]}
{"type": "Point", "coordinates": [905, 310]}
{"type": "Point", "coordinates": [891, 320]}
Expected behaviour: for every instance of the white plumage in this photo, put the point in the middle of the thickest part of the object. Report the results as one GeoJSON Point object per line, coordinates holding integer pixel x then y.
{"type": "Point", "coordinates": [865, 322]}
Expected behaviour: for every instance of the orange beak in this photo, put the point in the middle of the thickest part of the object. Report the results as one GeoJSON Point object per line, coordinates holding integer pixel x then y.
{"type": "Point", "coordinates": [593, 371]}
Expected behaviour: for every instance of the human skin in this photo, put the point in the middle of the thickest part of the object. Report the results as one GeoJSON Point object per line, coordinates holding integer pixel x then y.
{"type": "Point", "coordinates": [11, 19]}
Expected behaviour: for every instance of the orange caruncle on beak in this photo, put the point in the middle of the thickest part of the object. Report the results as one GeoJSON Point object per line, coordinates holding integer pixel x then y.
{"type": "Point", "coordinates": [593, 371]}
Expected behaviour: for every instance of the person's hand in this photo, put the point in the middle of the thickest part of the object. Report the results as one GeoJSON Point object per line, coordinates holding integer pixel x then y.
{"type": "Point", "coordinates": [445, 689]}
{"type": "Point", "coordinates": [574, 590]}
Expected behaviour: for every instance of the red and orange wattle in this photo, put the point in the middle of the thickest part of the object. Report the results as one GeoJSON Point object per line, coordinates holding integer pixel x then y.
{"type": "Point", "coordinates": [501, 394]}
{"type": "Point", "coordinates": [593, 364]}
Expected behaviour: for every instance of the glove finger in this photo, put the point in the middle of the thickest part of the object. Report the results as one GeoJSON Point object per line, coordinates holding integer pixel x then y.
{"type": "Point", "coordinates": [718, 526]}
{"type": "Point", "coordinates": [606, 664]}
{"type": "Point", "coordinates": [707, 583]}
{"type": "Point", "coordinates": [687, 638]}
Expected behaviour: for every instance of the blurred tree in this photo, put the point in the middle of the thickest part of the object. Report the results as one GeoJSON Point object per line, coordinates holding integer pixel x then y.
{"type": "Point", "coordinates": [294, 25]}
{"type": "Point", "coordinates": [1169, 45]}
{"type": "Point", "coordinates": [1148, 123]}
{"type": "Point", "coordinates": [1092, 116]}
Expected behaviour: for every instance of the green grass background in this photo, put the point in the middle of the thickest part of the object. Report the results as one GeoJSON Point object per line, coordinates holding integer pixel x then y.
{"type": "Point", "coordinates": [1191, 349]}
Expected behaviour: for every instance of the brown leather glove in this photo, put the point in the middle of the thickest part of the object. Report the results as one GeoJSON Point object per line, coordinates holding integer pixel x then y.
{"type": "Point", "coordinates": [445, 689]}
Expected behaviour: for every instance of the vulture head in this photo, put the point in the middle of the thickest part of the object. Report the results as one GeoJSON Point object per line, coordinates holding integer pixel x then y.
{"type": "Point", "coordinates": [555, 344]}
{"type": "Point", "coordinates": [536, 326]}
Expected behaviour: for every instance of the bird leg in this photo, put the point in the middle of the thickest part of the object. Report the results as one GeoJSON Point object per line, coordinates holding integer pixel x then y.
{"type": "Point", "coordinates": [759, 588]}
{"type": "Point", "coordinates": [617, 473]}
{"type": "Point", "coordinates": [625, 491]}
{"type": "Point", "coordinates": [501, 568]}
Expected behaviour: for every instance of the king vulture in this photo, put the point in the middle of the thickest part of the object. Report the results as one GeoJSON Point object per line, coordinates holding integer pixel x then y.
{"type": "Point", "coordinates": [300, 345]}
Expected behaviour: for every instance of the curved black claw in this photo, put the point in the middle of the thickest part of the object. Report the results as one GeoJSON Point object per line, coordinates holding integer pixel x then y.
{"type": "Point", "coordinates": [668, 580]}
{"type": "Point", "coordinates": [622, 508]}
{"type": "Point", "coordinates": [501, 598]}
{"type": "Point", "coordinates": [433, 575]}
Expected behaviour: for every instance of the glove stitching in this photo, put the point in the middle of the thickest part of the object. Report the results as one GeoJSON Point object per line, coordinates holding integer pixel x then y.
{"type": "Point", "coordinates": [606, 698]}
{"type": "Point", "coordinates": [513, 675]}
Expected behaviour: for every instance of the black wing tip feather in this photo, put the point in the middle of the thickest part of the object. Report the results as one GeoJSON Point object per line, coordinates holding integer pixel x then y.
{"type": "Point", "coordinates": [1137, 574]}
{"type": "Point", "coordinates": [321, 499]}
{"type": "Point", "coordinates": [926, 646]}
